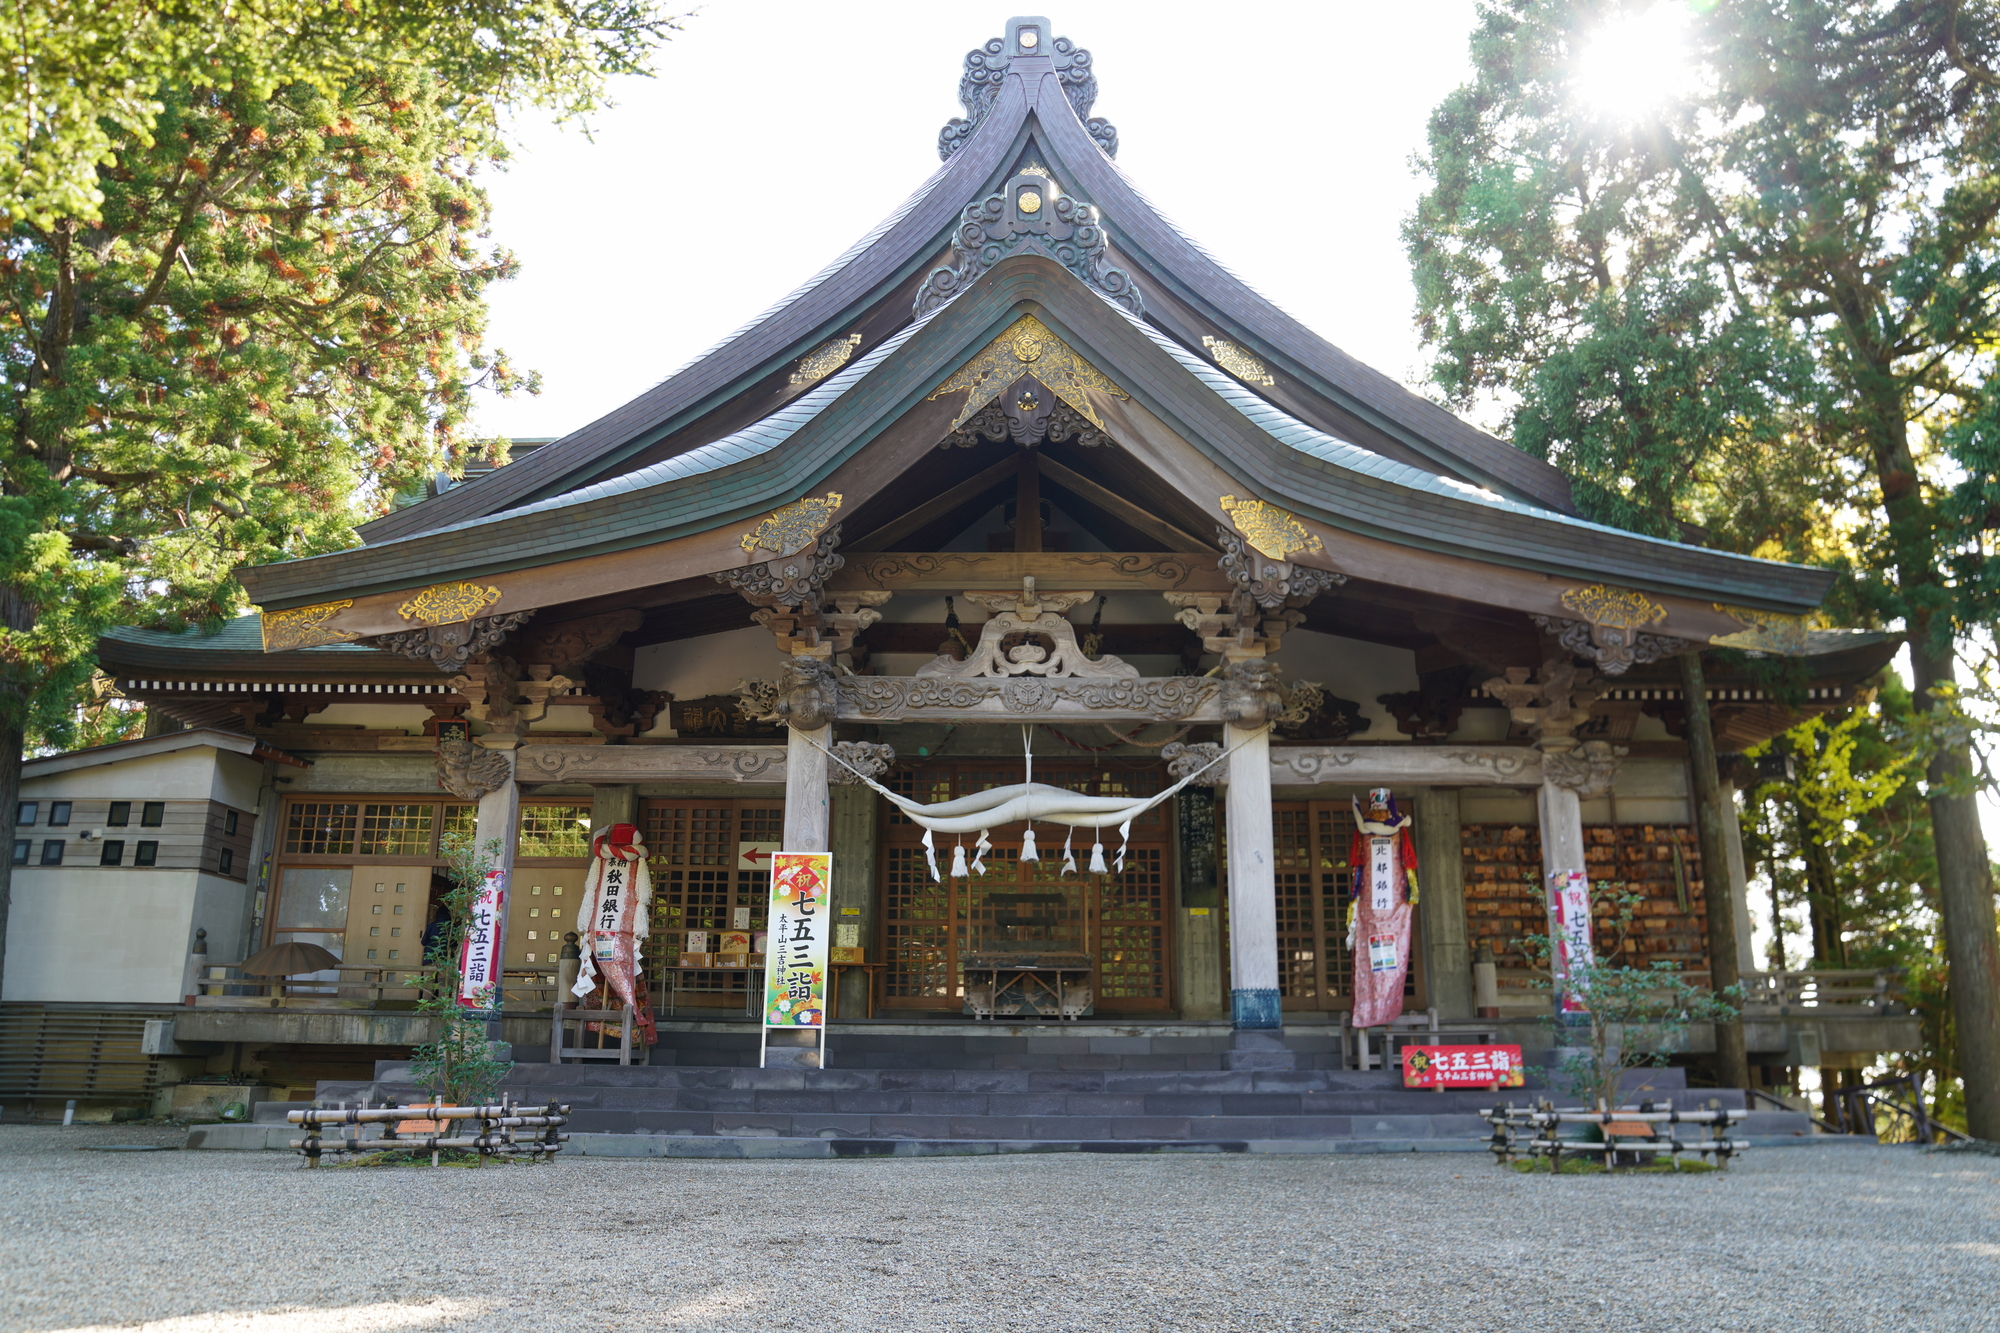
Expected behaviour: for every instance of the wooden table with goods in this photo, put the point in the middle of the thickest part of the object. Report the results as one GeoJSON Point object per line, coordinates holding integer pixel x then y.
{"type": "Point", "coordinates": [750, 964]}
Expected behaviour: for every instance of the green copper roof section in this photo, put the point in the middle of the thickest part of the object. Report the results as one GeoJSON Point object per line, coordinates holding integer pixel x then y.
{"type": "Point", "coordinates": [1274, 455]}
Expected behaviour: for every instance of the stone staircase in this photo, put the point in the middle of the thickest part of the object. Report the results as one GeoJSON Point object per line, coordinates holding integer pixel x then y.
{"type": "Point", "coordinates": [925, 1092]}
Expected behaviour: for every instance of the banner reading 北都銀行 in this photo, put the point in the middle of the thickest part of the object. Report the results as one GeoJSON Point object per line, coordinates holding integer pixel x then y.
{"type": "Point", "coordinates": [798, 929]}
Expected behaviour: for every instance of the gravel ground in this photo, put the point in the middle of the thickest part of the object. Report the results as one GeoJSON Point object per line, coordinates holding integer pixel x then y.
{"type": "Point", "coordinates": [1800, 1238]}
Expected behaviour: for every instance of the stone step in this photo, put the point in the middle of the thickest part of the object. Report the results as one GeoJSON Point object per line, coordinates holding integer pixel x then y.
{"type": "Point", "coordinates": [595, 1090]}
{"type": "Point", "coordinates": [533, 1081]}
{"type": "Point", "coordinates": [921, 1116]}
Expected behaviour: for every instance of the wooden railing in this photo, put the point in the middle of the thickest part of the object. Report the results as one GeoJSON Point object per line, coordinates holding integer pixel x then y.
{"type": "Point", "coordinates": [223, 986]}
{"type": "Point", "coordinates": [1829, 992]}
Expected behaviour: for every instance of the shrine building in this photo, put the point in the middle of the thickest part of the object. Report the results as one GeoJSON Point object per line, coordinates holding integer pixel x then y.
{"type": "Point", "coordinates": [1023, 470]}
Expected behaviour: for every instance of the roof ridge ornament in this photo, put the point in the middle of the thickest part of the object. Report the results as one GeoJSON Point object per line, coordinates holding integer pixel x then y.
{"type": "Point", "coordinates": [1027, 348]}
{"type": "Point", "coordinates": [1029, 210]}
{"type": "Point", "coordinates": [986, 69]}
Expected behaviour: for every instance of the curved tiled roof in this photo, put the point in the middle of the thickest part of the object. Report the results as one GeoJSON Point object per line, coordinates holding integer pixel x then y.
{"type": "Point", "coordinates": [1027, 104]}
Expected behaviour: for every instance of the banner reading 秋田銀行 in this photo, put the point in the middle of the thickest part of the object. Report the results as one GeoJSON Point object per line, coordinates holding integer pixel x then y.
{"type": "Point", "coordinates": [795, 952]}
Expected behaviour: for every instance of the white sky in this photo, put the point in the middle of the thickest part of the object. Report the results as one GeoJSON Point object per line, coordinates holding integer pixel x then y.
{"type": "Point", "coordinates": [778, 132]}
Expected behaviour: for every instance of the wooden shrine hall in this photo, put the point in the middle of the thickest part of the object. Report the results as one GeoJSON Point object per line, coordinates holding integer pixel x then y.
{"type": "Point", "coordinates": [1022, 472]}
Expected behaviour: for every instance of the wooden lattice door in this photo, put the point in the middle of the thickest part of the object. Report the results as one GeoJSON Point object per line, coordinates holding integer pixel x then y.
{"type": "Point", "coordinates": [706, 877]}
{"type": "Point", "coordinates": [1123, 920]}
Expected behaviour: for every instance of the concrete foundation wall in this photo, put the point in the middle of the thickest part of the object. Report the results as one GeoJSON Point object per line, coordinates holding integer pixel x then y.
{"type": "Point", "coordinates": [112, 936]}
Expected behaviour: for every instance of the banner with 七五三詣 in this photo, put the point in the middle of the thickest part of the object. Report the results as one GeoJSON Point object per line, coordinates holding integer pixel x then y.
{"type": "Point", "coordinates": [798, 934]}
{"type": "Point", "coordinates": [479, 959]}
{"type": "Point", "coordinates": [1569, 932]}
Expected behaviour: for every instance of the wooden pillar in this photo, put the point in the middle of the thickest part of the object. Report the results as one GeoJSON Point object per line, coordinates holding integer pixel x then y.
{"type": "Point", "coordinates": [1739, 879]}
{"type": "Point", "coordinates": [1559, 812]}
{"type": "Point", "coordinates": [495, 833]}
{"type": "Point", "coordinates": [1253, 906]}
{"type": "Point", "coordinates": [1441, 902]}
{"type": "Point", "coordinates": [854, 812]}
{"type": "Point", "coordinates": [806, 803]}
{"type": "Point", "coordinates": [613, 803]}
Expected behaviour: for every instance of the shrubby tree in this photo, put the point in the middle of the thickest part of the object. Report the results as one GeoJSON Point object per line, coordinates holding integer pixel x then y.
{"type": "Point", "coordinates": [1763, 313]}
{"type": "Point", "coordinates": [243, 260]}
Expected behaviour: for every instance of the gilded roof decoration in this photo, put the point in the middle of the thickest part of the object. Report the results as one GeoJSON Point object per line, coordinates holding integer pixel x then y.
{"type": "Point", "coordinates": [793, 528]}
{"type": "Point", "coordinates": [1766, 632]}
{"type": "Point", "coordinates": [1238, 362]}
{"type": "Point", "coordinates": [448, 603]}
{"type": "Point", "coordinates": [822, 361]}
{"type": "Point", "coordinates": [304, 627]}
{"type": "Point", "coordinates": [1028, 347]}
{"type": "Point", "coordinates": [1270, 530]}
{"type": "Point", "coordinates": [1620, 608]}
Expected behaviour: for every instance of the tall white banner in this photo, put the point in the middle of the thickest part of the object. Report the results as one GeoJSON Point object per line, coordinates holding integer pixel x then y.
{"type": "Point", "coordinates": [479, 961]}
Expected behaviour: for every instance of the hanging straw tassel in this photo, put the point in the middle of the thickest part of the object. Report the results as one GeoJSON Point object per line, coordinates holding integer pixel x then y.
{"type": "Point", "coordinates": [958, 870]}
{"type": "Point", "coordinates": [1097, 866]}
{"type": "Point", "coordinates": [1069, 857]}
{"type": "Point", "coordinates": [1028, 852]}
{"type": "Point", "coordinates": [979, 852]}
{"type": "Point", "coordinates": [930, 855]}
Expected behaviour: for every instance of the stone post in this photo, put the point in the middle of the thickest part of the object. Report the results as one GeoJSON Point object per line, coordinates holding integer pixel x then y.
{"type": "Point", "coordinates": [498, 827]}
{"type": "Point", "coordinates": [1441, 903]}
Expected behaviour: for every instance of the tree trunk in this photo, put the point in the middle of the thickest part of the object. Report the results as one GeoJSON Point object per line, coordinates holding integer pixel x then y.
{"type": "Point", "coordinates": [1965, 876]}
{"type": "Point", "coordinates": [1732, 1061]}
{"type": "Point", "coordinates": [1965, 902]}
{"type": "Point", "coordinates": [1822, 898]}
{"type": "Point", "coordinates": [11, 741]}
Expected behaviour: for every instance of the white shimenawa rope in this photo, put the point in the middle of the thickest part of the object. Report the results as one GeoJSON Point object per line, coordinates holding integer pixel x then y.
{"type": "Point", "coordinates": [996, 806]}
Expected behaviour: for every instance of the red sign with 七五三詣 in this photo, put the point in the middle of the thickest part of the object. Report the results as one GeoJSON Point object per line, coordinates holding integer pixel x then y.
{"type": "Point", "coordinates": [1462, 1066]}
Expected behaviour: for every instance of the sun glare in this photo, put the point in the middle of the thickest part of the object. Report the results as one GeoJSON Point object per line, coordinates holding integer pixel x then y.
{"type": "Point", "coordinates": [1634, 64]}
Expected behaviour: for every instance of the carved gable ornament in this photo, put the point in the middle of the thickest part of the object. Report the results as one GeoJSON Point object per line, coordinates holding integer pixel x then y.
{"type": "Point", "coordinates": [822, 361]}
{"type": "Point", "coordinates": [986, 69]}
{"type": "Point", "coordinates": [1028, 635]}
{"type": "Point", "coordinates": [1612, 632]}
{"type": "Point", "coordinates": [793, 528]}
{"type": "Point", "coordinates": [303, 627]}
{"type": "Point", "coordinates": [448, 603]}
{"type": "Point", "coordinates": [1620, 608]}
{"type": "Point", "coordinates": [1269, 530]}
{"type": "Point", "coordinates": [1029, 213]}
{"type": "Point", "coordinates": [1766, 631]}
{"type": "Point", "coordinates": [1028, 348]}
{"type": "Point", "coordinates": [1238, 362]}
